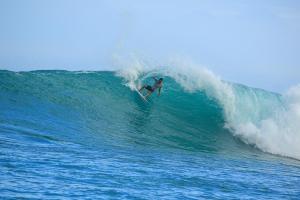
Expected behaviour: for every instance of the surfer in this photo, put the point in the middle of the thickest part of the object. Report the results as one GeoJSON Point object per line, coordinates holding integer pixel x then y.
{"type": "Point", "coordinates": [157, 85]}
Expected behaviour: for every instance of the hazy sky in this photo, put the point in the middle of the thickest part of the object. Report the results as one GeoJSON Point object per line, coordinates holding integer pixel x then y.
{"type": "Point", "coordinates": [254, 42]}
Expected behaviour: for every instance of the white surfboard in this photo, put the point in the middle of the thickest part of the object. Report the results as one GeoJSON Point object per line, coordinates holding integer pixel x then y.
{"type": "Point", "coordinates": [141, 95]}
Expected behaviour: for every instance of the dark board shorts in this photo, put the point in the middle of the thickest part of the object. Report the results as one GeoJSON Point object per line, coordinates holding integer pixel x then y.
{"type": "Point", "coordinates": [148, 87]}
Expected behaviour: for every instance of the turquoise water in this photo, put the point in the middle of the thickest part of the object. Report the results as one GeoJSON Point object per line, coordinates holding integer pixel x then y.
{"type": "Point", "coordinates": [88, 135]}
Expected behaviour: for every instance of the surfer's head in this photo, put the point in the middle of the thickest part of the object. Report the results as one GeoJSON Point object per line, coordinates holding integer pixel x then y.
{"type": "Point", "coordinates": [160, 80]}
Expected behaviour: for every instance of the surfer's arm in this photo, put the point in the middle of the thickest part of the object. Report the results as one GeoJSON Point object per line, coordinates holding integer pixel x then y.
{"type": "Point", "coordinates": [155, 78]}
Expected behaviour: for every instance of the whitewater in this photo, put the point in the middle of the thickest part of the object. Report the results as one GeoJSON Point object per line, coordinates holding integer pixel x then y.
{"type": "Point", "coordinates": [88, 134]}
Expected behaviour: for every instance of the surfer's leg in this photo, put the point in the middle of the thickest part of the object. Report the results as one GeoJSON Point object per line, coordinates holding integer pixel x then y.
{"type": "Point", "coordinates": [148, 94]}
{"type": "Point", "coordinates": [149, 90]}
{"type": "Point", "coordinates": [142, 88]}
{"type": "Point", "coordinates": [147, 87]}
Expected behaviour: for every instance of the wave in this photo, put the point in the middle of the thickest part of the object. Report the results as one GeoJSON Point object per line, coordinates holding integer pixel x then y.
{"type": "Point", "coordinates": [197, 109]}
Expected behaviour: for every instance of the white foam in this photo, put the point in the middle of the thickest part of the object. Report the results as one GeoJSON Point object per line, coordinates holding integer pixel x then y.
{"type": "Point", "coordinates": [131, 72]}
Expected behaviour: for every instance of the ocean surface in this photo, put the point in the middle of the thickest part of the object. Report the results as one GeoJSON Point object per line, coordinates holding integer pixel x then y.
{"type": "Point", "coordinates": [89, 135]}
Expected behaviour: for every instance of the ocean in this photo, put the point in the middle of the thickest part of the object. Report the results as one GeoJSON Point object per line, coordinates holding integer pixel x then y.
{"type": "Point", "coordinates": [89, 135]}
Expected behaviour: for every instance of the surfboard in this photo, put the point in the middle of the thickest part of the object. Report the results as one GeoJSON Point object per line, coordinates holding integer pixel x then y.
{"type": "Point", "coordinates": [141, 95]}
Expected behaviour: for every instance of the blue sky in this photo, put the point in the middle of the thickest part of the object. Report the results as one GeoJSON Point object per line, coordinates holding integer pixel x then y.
{"type": "Point", "coordinates": [252, 42]}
